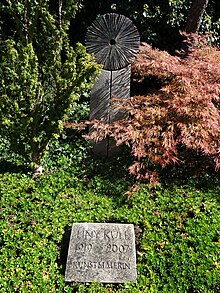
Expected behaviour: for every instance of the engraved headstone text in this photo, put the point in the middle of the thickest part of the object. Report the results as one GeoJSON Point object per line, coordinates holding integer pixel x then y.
{"type": "Point", "coordinates": [102, 253]}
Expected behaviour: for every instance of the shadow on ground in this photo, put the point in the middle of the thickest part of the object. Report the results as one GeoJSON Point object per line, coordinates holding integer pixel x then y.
{"type": "Point", "coordinates": [6, 166]}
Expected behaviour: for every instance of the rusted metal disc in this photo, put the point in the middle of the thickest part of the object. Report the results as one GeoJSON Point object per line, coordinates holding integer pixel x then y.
{"type": "Point", "coordinates": [114, 40]}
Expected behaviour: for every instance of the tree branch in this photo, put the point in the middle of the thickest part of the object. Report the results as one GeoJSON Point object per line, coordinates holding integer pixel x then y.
{"type": "Point", "coordinates": [195, 16]}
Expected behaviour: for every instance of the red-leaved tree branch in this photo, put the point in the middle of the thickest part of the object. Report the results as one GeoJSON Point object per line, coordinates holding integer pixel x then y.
{"type": "Point", "coordinates": [183, 112]}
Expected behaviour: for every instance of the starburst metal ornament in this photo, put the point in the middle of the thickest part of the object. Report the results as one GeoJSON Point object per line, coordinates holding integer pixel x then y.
{"type": "Point", "coordinates": [114, 40]}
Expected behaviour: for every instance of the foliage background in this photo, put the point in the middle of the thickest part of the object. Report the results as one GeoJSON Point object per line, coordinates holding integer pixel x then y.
{"type": "Point", "coordinates": [158, 21]}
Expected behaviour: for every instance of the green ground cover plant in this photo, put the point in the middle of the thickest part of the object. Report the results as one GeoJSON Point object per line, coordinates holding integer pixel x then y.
{"type": "Point", "coordinates": [177, 220]}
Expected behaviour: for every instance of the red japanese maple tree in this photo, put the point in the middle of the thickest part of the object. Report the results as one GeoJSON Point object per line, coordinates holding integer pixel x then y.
{"type": "Point", "coordinates": [184, 111]}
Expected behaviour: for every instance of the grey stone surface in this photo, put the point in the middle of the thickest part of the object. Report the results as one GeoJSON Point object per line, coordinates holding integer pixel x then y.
{"type": "Point", "coordinates": [101, 252]}
{"type": "Point", "coordinates": [110, 85]}
{"type": "Point", "coordinates": [100, 97]}
{"type": "Point", "coordinates": [120, 89]}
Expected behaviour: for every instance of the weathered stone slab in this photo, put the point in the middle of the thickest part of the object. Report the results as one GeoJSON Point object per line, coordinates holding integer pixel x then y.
{"type": "Point", "coordinates": [101, 252]}
{"type": "Point", "coordinates": [100, 97]}
{"type": "Point", "coordinates": [109, 85]}
{"type": "Point", "coordinates": [120, 89]}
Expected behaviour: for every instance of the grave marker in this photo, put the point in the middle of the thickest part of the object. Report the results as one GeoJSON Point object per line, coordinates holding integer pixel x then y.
{"type": "Point", "coordinates": [101, 252]}
{"type": "Point", "coordinates": [114, 40]}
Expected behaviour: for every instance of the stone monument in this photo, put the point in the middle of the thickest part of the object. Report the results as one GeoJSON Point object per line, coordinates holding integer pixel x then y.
{"type": "Point", "coordinates": [101, 252]}
{"type": "Point", "coordinates": [114, 41]}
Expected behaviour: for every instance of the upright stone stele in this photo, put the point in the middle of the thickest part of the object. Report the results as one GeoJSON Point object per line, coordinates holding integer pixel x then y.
{"type": "Point", "coordinates": [101, 252]}
{"type": "Point", "coordinates": [114, 40]}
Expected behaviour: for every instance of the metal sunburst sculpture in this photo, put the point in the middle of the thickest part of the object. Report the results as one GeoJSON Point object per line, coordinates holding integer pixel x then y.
{"type": "Point", "coordinates": [114, 40]}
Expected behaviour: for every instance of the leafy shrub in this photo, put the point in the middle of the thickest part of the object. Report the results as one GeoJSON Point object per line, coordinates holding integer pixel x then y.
{"type": "Point", "coordinates": [182, 111]}
{"type": "Point", "coordinates": [41, 75]}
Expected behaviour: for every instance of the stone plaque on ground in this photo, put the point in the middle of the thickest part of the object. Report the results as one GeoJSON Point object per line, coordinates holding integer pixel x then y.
{"type": "Point", "coordinates": [101, 252]}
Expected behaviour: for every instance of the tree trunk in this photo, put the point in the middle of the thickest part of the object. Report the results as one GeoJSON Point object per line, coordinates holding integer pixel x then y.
{"type": "Point", "coordinates": [195, 16]}
{"type": "Point", "coordinates": [60, 13]}
{"type": "Point", "coordinates": [36, 165]}
{"type": "Point", "coordinates": [37, 171]}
